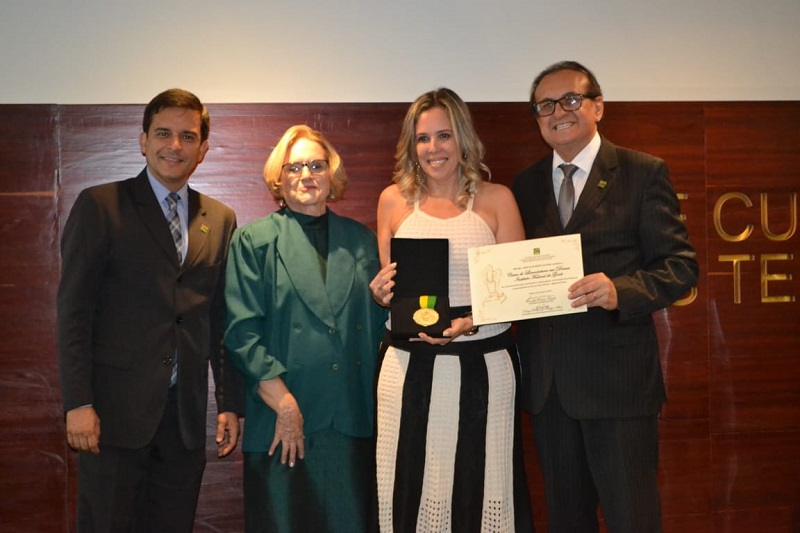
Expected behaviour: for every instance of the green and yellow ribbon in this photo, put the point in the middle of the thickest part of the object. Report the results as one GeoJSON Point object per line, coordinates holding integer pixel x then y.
{"type": "Point", "coordinates": [427, 302]}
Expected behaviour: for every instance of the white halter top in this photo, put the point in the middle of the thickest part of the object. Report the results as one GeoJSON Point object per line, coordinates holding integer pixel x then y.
{"type": "Point", "coordinates": [464, 231]}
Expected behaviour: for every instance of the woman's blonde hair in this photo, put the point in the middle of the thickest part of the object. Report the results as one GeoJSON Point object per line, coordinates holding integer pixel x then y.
{"type": "Point", "coordinates": [273, 168]}
{"type": "Point", "coordinates": [408, 174]}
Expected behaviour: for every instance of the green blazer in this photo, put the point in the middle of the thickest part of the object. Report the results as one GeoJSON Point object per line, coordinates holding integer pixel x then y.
{"type": "Point", "coordinates": [282, 319]}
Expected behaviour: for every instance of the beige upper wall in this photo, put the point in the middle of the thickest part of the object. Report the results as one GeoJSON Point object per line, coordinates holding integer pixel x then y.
{"type": "Point", "coordinates": [118, 51]}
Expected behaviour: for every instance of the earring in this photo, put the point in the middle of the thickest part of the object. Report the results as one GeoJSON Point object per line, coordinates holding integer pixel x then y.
{"type": "Point", "coordinates": [420, 174]}
{"type": "Point", "coordinates": [331, 196]}
{"type": "Point", "coordinates": [281, 202]}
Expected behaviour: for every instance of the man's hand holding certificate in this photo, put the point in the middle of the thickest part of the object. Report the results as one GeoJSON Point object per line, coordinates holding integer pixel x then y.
{"type": "Point", "coordinates": [524, 279]}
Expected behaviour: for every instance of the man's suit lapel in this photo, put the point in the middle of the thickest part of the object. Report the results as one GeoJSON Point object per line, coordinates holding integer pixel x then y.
{"type": "Point", "coordinates": [544, 190]}
{"type": "Point", "coordinates": [199, 228]}
{"type": "Point", "coordinates": [601, 179]}
{"type": "Point", "coordinates": [151, 214]}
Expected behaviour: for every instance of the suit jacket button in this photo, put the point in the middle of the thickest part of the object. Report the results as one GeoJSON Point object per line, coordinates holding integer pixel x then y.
{"type": "Point", "coordinates": [179, 320]}
{"type": "Point", "coordinates": [167, 360]}
{"type": "Point", "coordinates": [335, 367]}
{"type": "Point", "coordinates": [332, 331]}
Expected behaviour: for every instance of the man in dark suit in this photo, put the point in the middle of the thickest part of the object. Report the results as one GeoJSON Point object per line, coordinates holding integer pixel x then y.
{"type": "Point", "coordinates": [140, 314]}
{"type": "Point", "coordinates": [593, 380]}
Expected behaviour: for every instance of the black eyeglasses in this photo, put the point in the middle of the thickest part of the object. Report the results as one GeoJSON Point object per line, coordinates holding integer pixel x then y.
{"type": "Point", "coordinates": [569, 102]}
{"type": "Point", "coordinates": [317, 166]}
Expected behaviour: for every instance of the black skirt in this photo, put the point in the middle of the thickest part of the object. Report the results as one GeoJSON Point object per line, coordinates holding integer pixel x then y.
{"type": "Point", "coordinates": [449, 453]}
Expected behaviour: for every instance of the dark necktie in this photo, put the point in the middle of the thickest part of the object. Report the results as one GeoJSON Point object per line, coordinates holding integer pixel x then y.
{"type": "Point", "coordinates": [566, 195]}
{"type": "Point", "coordinates": [175, 223]}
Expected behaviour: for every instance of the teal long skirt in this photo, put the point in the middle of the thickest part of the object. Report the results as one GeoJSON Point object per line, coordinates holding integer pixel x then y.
{"type": "Point", "coordinates": [331, 490]}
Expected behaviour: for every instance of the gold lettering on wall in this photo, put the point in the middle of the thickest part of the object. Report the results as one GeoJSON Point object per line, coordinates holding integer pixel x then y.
{"type": "Point", "coordinates": [766, 277]}
{"type": "Point", "coordinates": [689, 298]}
{"type": "Point", "coordinates": [748, 230]}
{"type": "Point", "coordinates": [737, 273]}
{"type": "Point", "coordinates": [681, 197]}
{"type": "Point", "coordinates": [765, 218]}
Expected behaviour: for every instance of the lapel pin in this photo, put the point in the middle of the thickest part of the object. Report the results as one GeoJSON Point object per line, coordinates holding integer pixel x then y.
{"type": "Point", "coordinates": [602, 184]}
{"type": "Point", "coordinates": [204, 228]}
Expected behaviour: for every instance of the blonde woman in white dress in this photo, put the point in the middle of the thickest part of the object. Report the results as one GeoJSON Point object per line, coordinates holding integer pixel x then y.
{"type": "Point", "coordinates": [449, 454]}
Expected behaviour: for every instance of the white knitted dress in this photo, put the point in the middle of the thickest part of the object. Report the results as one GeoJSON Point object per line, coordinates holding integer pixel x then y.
{"type": "Point", "coordinates": [446, 415]}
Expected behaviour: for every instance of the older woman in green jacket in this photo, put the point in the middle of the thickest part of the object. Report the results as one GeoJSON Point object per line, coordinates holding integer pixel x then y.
{"type": "Point", "coordinates": [303, 329]}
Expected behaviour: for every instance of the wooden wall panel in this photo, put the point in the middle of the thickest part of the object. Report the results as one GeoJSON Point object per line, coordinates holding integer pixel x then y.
{"type": "Point", "coordinates": [28, 152]}
{"type": "Point", "coordinates": [731, 429]}
{"type": "Point", "coordinates": [363, 134]}
{"type": "Point", "coordinates": [754, 343]}
{"type": "Point", "coordinates": [33, 452]}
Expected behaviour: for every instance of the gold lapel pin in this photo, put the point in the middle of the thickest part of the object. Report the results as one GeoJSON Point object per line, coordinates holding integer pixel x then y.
{"type": "Point", "coordinates": [602, 184]}
{"type": "Point", "coordinates": [204, 228]}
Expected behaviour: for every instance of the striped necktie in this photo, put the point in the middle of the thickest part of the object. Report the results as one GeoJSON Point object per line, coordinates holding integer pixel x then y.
{"type": "Point", "coordinates": [175, 223]}
{"type": "Point", "coordinates": [175, 228]}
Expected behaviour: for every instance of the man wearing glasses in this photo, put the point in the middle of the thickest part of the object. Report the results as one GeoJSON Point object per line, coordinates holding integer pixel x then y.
{"type": "Point", "coordinates": [593, 380]}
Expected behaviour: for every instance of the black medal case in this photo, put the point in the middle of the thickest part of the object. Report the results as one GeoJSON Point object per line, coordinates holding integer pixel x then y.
{"type": "Point", "coordinates": [422, 270]}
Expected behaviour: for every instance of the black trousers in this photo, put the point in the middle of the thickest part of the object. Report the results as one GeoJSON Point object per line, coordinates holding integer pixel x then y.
{"type": "Point", "coordinates": [149, 489]}
{"type": "Point", "coordinates": [610, 462]}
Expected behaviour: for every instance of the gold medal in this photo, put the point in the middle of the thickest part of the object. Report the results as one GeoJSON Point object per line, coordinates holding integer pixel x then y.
{"type": "Point", "coordinates": [426, 315]}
